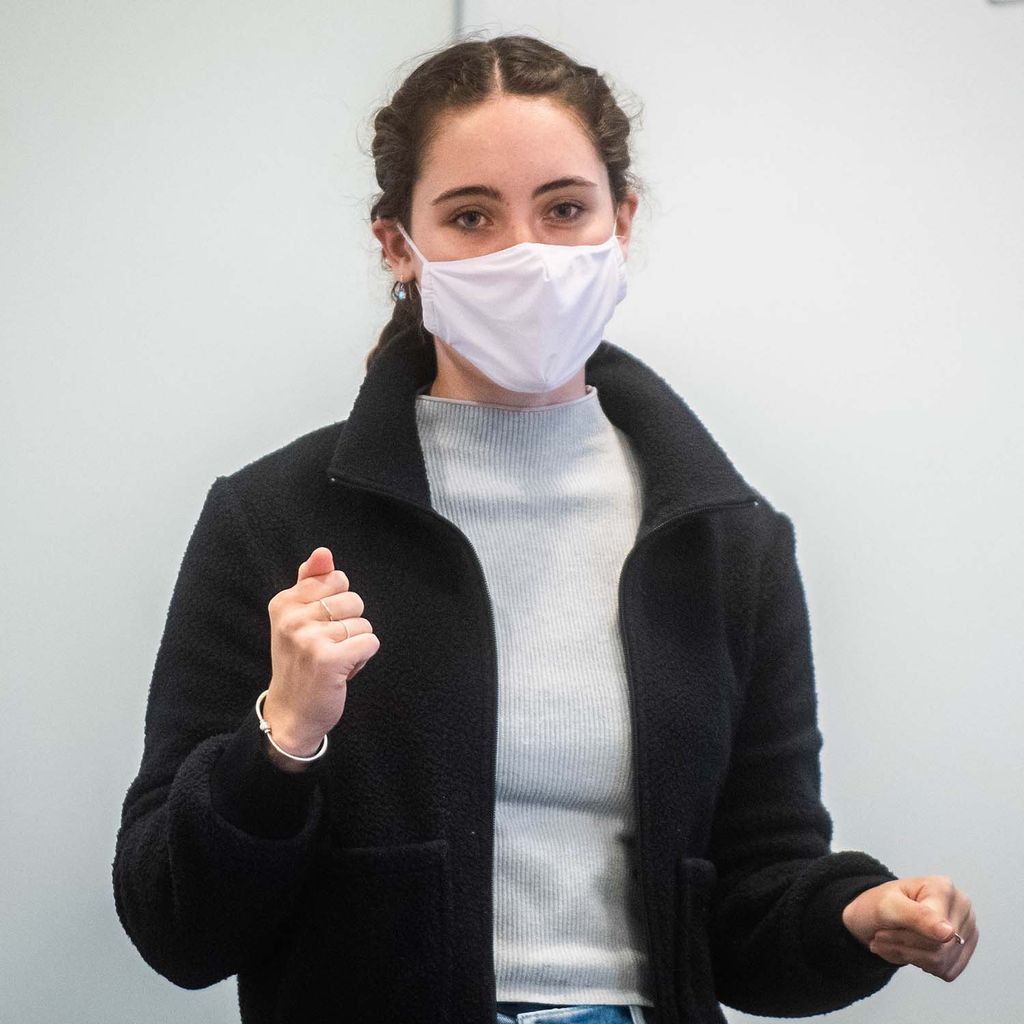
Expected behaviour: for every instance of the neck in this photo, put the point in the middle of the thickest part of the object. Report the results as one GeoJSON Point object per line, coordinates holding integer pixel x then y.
{"type": "Point", "coordinates": [459, 378]}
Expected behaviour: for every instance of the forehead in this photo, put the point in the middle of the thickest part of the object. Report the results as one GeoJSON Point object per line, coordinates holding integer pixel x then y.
{"type": "Point", "coordinates": [511, 141]}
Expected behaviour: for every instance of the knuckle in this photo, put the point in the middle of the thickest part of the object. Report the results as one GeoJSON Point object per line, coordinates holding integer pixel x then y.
{"type": "Point", "coordinates": [307, 651]}
{"type": "Point", "coordinates": [288, 624]}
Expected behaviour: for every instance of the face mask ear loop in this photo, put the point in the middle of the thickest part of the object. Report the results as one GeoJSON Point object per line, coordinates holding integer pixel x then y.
{"type": "Point", "coordinates": [412, 244]}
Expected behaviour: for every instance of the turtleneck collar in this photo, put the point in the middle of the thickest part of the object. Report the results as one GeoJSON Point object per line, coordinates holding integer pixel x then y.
{"type": "Point", "coordinates": [560, 432]}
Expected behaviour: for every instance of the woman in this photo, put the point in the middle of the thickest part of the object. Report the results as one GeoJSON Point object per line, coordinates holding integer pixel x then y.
{"type": "Point", "coordinates": [577, 778]}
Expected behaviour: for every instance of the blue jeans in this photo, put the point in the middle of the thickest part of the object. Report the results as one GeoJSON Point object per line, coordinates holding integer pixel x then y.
{"type": "Point", "coordinates": [589, 1013]}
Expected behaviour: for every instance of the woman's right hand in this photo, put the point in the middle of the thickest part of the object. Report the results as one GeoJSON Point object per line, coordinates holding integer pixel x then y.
{"type": "Point", "coordinates": [312, 661]}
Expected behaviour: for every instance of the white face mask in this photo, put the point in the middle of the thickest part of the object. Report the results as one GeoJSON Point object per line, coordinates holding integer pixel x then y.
{"type": "Point", "coordinates": [528, 316]}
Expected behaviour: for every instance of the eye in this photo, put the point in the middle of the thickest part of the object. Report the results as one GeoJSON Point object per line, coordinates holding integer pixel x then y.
{"type": "Point", "coordinates": [570, 206]}
{"type": "Point", "coordinates": [465, 213]}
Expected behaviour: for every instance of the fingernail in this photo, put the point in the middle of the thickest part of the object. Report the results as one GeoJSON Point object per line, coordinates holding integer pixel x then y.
{"type": "Point", "coordinates": [943, 930]}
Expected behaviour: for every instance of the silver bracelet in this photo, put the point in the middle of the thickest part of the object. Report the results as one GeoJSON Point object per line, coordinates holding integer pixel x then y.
{"type": "Point", "coordinates": [265, 727]}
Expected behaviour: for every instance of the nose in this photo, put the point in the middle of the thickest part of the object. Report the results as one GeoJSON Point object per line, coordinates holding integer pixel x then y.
{"type": "Point", "coordinates": [522, 233]}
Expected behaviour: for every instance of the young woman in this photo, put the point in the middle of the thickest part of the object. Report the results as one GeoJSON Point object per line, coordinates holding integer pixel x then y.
{"type": "Point", "coordinates": [576, 775]}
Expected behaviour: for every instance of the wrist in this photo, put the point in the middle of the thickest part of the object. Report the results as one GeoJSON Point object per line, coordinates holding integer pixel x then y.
{"type": "Point", "coordinates": [294, 743]}
{"type": "Point", "coordinates": [288, 764]}
{"type": "Point", "coordinates": [287, 731]}
{"type": "Point", "coordinates": [289, 749]}
{"type": "Point", "coordinates": [847, 916]}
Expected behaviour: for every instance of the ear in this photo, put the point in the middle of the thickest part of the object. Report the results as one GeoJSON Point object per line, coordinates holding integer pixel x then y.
{"type": "Point", "coordinates": [624, 214]}
{"type": "Point", "coordinates": [395, 250]}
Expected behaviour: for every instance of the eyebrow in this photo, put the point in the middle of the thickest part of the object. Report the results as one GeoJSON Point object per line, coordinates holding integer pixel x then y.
{"type": "Point", "coordinates": [493, 193]}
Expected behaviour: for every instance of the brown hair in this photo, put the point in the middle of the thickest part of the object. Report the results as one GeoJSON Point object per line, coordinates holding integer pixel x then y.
{"type": "Point", "coordinates": [460, 76]}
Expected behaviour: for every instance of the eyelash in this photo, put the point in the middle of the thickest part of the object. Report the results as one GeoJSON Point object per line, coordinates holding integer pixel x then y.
{"type": "Point", "coordinates": [578, 206]}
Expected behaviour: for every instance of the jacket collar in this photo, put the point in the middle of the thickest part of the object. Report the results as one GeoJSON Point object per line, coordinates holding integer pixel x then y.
{"type": "Point", "coordinates": [684, 469]}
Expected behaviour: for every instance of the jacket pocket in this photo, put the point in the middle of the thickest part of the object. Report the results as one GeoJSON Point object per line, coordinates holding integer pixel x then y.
{"type": "Point", "coordinates": [695, 983]}
{"type": "Point", "coordinates": [374, 941]}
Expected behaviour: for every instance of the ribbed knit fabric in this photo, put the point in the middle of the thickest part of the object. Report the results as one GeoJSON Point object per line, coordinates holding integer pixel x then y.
{"type": "Point", "coordinates": [550, 498]}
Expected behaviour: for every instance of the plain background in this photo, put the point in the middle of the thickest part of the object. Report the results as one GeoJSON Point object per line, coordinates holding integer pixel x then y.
{"type": "Point", "coordinates": [826, 265]}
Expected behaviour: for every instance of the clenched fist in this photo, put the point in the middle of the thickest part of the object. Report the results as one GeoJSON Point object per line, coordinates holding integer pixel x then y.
{"type": "Point", "coordinates": [917, 921]}
{"type": "Point", "coordinates": [312, 657]}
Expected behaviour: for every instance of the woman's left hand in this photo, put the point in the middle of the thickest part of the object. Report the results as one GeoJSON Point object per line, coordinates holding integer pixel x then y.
{"type": "Point", "coordinates": [913, 921]}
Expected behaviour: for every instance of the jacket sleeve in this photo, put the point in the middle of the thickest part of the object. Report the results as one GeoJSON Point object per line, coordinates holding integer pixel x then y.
{"type": "Point", "coordinates": [215, 839]}
{"type": "Point", "coordinates": [779, 945]}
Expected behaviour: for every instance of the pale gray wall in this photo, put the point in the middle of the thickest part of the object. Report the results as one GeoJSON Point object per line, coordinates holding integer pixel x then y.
{"type": "Point", "coordinates": [189, 282]}
{"type": "Point", "coordinates": [830, 272]}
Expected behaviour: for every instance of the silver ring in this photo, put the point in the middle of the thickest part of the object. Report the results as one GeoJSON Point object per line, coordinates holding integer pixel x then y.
{"type": "Point", "coordinates": [959, 938]}
{"type": "Point", "coordinates": [328, 610]}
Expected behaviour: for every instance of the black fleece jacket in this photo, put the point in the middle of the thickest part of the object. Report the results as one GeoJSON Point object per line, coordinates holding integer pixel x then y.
{"type": "Point", "coordinates": [361, 889]}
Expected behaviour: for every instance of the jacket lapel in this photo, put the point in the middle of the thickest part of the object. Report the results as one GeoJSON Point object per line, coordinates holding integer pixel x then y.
{"type": "Point", "coordinates": [684, 467]}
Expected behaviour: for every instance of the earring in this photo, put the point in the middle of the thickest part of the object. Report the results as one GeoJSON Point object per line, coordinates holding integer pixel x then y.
{"type": "Point", "coordinates": [401, 290]}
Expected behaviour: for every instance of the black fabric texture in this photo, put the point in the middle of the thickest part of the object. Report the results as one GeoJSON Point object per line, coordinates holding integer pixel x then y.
{"type": "Point", "coordinates": [249, 790]}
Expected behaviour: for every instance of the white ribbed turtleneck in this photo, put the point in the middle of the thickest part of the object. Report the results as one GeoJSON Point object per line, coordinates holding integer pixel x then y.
{"type": "Point", "coordinates": [550, 497]}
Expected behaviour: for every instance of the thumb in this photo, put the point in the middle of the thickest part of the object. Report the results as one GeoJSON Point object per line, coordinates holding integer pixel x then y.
{"type": "Point", "coordinates": [926, 917]}
{"type": "Point", "coordinates": [319, 562]}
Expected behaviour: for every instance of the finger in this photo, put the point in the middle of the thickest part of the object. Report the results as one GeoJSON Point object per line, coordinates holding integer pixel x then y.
{"type": "Point", "coordinates": [339, 605]}
{"type": "Point", "coordinates": [966, 928]}
{"type": "Point", "coordinates": [925, 915]}
{"type": "Point", "coordinates": [966, 952]}
{"type": "Point", "coordinates": [313, 588]}
{"type": "Point", "coordinates": [361, 664]}
{"type": "Point", "coordinates": [357, 670]}
{"type": "Point", "coordinates": [947, 963]}
{"type": "Point", "coordinates": [890, 952]}
{"type": "Point", "coordinates": [961, 913]}
{"type": "Point", "coordinates": [940, 894]}
{"type": "Point", "coordinates": [938, 963]}
{"type": "Point", "coordinates": [342, 629]}
{"type": "Point", "coordinates": [910, 939]}
{"type": "Point", "coordinates": [319, 562]}
{"type": "Point", "coordinates": [361, 647]}
{"type": "Point", "coordinates": [968, 924]}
